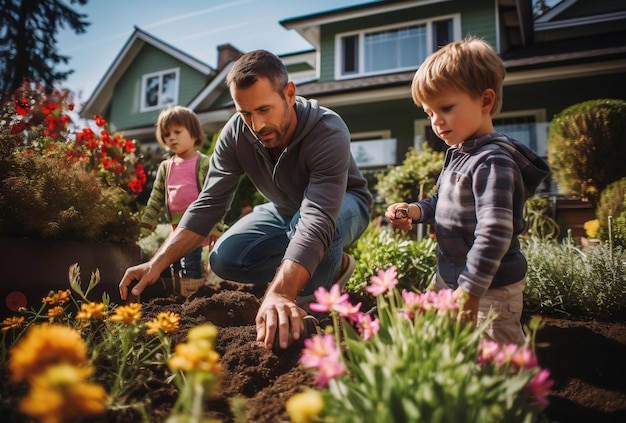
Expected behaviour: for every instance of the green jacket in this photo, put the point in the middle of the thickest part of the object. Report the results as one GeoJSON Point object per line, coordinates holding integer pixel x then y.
{"type": "Point", "coordinates": [157, 201]}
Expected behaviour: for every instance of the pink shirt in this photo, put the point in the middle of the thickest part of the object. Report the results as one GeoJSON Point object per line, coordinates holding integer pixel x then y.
{"type": "Point", "coordinates": [182, 185]}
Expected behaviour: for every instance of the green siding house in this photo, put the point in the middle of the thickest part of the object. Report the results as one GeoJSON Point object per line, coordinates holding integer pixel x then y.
{"type": "Point", "coordinates": [363, 59]}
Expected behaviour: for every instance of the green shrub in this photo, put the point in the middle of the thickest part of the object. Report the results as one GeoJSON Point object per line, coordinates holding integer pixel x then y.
{"type": "Point", "coordinates": [380, 248]}
{"type": "Point", "coordinates": [586, 147]}
{"type": "Point", "coordinates": [418, 172]}
{"type": "Point", "coordinates": [612, 203]}
{"type": "Point", "coordinates": [567, 282]}
{"type": "Point", "coordinates": [46, 197]}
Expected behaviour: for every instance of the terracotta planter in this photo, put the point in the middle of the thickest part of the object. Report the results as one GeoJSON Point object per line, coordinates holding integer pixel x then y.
{"type": "Point", "coordinates": [29, 269]}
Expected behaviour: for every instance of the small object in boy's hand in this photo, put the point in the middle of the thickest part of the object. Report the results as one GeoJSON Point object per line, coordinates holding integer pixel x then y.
{"type": "Point", "coordinates": [401, 213]}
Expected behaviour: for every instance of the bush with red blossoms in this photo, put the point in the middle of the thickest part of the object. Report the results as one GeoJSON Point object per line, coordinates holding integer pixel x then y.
{"type": "Point", "coordinates": [62, 183]}
{"type": "Point", "coordinates": [414, 358]}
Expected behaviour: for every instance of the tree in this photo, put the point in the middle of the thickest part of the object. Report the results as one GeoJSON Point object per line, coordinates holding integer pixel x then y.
{"type": "Point", "coordinates": [28, 44]}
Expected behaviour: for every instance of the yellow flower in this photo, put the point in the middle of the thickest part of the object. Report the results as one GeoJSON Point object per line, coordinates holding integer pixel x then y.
{"type": "Point", "coordinates": [204, 334]}
{"type": "Point", "coordinates": [61, 394]}
{"type": "Point", "coordinates": [58, 299]}
{"type": "Point", "coordinates": [592, 227]}
{"type": "Point", "coordinates": [45, 345]}
{"type": "Point", "coordinates": [194, 357]}
{"type": "Point", "coordinates": [164, 322]}
{"type": "Point", "coordinates": [127, 314]}
{"type": "Point", "coordinates": [305, 406]}
{"type": "Point", "coordinates": [14, 322]}
{"type": "Point", "coordinates": [91, 311]}
{"type": "Point", "coordinates": [56, 311]}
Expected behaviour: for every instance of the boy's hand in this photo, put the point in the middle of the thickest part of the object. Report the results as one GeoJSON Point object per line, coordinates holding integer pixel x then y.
{"type": "Point", "coordinates": [398, 215]}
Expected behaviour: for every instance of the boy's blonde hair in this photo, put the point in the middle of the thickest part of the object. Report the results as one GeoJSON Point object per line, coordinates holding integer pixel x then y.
{"type": "Point", "coordinates": [470, 66]}
{"type": "Point", "coordinates": [179, 116]}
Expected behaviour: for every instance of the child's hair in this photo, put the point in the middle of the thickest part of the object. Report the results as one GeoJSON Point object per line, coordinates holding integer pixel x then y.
{"type": "Point", "coordinates": [470, 66]}
{"type": "Point", "coordinates": [179, 116]}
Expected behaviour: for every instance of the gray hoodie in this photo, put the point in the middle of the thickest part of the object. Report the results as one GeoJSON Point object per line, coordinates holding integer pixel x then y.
{"type": "Point", "coordinates": [478, 211]}
{"type": "Point", "coordinates": [311, 175]}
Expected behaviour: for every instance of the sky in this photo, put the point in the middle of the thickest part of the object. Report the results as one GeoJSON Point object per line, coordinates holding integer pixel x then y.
{"type": "Point", "coordinates": [195, 27]}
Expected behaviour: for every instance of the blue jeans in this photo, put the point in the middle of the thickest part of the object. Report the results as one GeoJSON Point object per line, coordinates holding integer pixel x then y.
{"type": "Point", "coordinates": [252, 249]}
{"type": "Point", "coordinates": [190, 265]}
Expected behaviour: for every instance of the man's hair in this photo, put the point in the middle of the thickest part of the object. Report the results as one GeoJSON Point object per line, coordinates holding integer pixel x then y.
{"type": "Point", "coordinates": [255, 64]}
{"type": "Point", "coordinates": [179, 116]}
{"type": "Point", "coordinates": [471, 66]}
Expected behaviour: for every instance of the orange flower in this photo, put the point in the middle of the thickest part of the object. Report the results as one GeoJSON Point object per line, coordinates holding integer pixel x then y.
{"type": "Point", "coordinates": [14, 322]}
{"type": "Point", "coordinates": [91, 311]}
{"type": "Point", "coordinates": [45, 345]}
{"type": "Point", "coordinates": [164, 322]}
{"type": "Point", "coordinates": [127, 314]}
{"type": "Point", "coordinates": [61, 394]}
{"type": "Point", "coordinates": [57, 311]}
{"type": "Point", "coordinates": [58, 299]}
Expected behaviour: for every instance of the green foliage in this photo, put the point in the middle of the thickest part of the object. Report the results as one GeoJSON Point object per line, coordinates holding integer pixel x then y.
{"type": "Point", "coordinates": [586, 146]}
{"type": "Point", "coordinates": [46, 197]}
{"type": "Point", "coordinates": [563, 280]}
{"type": "Point", "coordinates": [426, 365]}
{"type": "Point", "coordinates": [416, 175]}
{"type": "Point", "coordinates": [380, 248]}
{"type": "Point", "coordinates": [612, 203]}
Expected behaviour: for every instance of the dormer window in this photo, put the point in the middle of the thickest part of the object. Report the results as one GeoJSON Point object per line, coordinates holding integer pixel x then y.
{"type": "Point", "coordinates": [392, 48]}
{"type": "Point", "coordinates": [159, 89]}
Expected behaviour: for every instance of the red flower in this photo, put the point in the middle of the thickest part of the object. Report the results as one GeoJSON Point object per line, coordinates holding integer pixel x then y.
{"type": "Point", "coordinates": [100, 120]}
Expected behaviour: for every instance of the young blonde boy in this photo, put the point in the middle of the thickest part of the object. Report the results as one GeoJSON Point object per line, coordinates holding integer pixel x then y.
{"type": "Point", "coordinates": [486, 179]}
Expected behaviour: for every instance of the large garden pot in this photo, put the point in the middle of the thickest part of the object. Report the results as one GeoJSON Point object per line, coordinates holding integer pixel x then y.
{"type": "Point", "coordinates": [30, 269]}
{"type": "Point", "coordinates": [571, 213]}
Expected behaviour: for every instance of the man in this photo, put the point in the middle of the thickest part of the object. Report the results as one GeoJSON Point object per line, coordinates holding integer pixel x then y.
{"type": "Point", "coordinates": [297, 154]}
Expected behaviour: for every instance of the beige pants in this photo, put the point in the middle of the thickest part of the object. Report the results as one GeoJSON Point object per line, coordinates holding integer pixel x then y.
{"type": "Point", "coordinates": [508, 302]}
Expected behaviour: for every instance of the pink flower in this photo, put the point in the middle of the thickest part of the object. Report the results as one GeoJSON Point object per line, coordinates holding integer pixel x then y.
{"type": "Point", "coordinates": [524, 358]}
{"type": "Point", "coordinates": [321, 354]}
{"type": "Point", "coordinates": [540, 386]}
{"type": "Point", "coordinates": [385, 281]}
{"type": "Point", "coordinates": [367, 327]}
{"type": "Point", "coordinates": [506, 354]}
{"type": "Point", "coordinates": [446, 301]}
{"type": "Point", "coordinates": [327, 370]}
{"type": "Point", "coordinates": [488, 351]}
{"type": "Point", "coordinates": [317, 349]}
{"type": "Point", "coordinates": [328, 301]}
{"type": "Point", "coordinates": [349, 311]}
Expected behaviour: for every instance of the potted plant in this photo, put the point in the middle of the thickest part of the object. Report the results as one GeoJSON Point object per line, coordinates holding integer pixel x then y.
{"type": "Point", "coordinates": [66, 196]}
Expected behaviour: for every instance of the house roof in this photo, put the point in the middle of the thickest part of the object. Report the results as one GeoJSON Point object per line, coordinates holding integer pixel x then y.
{"type": "Point", "coordinates": [103, 92]}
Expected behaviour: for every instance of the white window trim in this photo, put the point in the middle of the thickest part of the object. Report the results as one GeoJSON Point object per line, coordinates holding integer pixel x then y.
{"type": "Point", "coordinates": [456, 35]}
{"type": "Point", "coordinates": [144, 78]}
{"type": "Point", "coordinates": [371, 135]}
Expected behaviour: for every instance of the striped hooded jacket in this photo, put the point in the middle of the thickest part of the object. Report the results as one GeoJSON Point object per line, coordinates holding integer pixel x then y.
{"type": "Point", "coordinates": [478, 211]}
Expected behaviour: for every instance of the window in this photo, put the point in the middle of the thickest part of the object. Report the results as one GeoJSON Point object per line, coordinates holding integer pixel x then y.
{"type": "Point", "coordinates": [159, 89]}
{"type": "Point", "coordinates": [392, 49]}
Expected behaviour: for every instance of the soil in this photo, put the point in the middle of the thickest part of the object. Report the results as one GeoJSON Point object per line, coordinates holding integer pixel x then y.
{"type": "Point", "coordinates": [586, 360]}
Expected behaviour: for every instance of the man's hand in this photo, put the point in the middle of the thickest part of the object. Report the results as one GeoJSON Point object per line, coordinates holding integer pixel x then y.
{"type": "Point", "coordinates": [143, 274]}
{"type": "Point", "coordinates": [279, 316]}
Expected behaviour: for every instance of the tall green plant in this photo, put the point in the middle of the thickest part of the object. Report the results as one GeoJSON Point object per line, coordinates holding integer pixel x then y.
{"type": "Point", "coordinates": [586, 146]}
{"type": "Point", "coordinates": [417, 174]}
{"type": "Point", "coordinates": [612, 203]}
{"type": "Point", "coordinates": [380, 248]}
{"type": "Point", "coordinates": [563, 280]}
